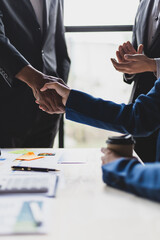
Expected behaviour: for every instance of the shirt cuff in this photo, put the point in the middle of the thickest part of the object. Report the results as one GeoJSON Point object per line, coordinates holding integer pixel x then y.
{"type": "Point", "coordinates": [128, 78]}
{"type": "Point", "coordinates": [157, 74]}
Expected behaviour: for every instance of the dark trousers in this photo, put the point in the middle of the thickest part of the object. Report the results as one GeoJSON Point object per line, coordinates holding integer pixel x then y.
{"type": "Point", "coordinates": [38, 137]}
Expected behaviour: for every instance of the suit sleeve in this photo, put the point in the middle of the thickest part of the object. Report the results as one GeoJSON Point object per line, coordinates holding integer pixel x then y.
{"type": "Point", "coordinates": [139, 119]}
{"type": "Point", "coordinates": [129, 175]}
{"type": "Point", "coordinates": [63, 61]}
{"type": "Point", "coordinates": [11, 61]}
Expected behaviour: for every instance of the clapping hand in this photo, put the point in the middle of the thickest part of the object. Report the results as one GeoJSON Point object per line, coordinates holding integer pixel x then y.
{"type": "Point", "coordinates": [136, 63]}
{"type": "Point", "coordinates": [127, 48]}
{"type": "Point", "coordinates": [131, 61]}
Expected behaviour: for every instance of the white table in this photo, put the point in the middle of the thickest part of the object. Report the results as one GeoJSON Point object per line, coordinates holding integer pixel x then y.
{"type": "Point", "coordinates": [86, 209]}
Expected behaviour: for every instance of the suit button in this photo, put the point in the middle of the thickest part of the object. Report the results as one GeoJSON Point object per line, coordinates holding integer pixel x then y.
{"type": "Point", "coordinates": [38, 29]}
{"type": "Point", "coordinates": [5, 76]}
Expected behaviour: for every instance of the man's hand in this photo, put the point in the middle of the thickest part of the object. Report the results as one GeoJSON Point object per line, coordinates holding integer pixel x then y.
{"type": "Point", "coordinates": [109, 156]}
{"type": "Point", "coordinates": [61, 89]}
{"type": "Point", "coordinates": [136, 63]}
{"type": "Point", "coordinates": [127, 48]}
{"type": "Point", "coordinates": [49, 100]}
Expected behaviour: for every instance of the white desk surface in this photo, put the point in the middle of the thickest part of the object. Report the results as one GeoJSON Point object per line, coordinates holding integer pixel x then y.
{"type": "Point", "coordinates": [86, 209]}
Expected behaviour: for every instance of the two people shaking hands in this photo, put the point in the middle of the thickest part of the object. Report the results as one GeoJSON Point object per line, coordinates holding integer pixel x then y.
{"type": "Point", "coordinates": [140, 118]}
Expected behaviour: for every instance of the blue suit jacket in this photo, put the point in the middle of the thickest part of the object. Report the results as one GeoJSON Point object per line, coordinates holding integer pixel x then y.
{"type": "Point", "coordinates": [131, 176]}
{"type": "Point", "coordinates": [140, 119]}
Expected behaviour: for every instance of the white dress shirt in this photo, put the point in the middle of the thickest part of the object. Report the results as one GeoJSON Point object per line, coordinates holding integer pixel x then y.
{"type": "Point", "coordinates": [38, 8]}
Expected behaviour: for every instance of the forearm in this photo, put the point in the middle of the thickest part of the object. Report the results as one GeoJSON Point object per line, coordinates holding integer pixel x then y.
{"type": "Point", "coordinates": [11, 61]}
{"type": "Point", "coordinates": [129, 175]}
{"type": "Point", "coordinates": [152, 67]}
{"type": "Point", "coordinates": [31, 76]}
{"type": "Point", "coordinates": [132, 118]}
{"type": "Point", "coordinates": [83, 108]}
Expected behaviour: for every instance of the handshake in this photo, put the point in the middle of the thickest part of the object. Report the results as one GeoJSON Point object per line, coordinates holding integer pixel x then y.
{"type": "Point", "coordinates": [54, 96]}
{"type": "Point", "coordinates": [51, 93]}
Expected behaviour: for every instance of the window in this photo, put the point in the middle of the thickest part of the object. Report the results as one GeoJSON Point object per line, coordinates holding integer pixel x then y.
{"type": "Point", "coordinates": [90, 53]}
{"type": "Point", "coordinates": [99, 12]}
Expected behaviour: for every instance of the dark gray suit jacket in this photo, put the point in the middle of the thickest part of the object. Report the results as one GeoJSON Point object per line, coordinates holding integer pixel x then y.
{"type": "Point", "coordinates": [22, 42]}
{"type": "Point", "coordinates": [143, 82]}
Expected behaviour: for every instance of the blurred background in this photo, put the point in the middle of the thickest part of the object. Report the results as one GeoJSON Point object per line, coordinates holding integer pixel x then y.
{"type": "Point", "coordinates": [90, 53]}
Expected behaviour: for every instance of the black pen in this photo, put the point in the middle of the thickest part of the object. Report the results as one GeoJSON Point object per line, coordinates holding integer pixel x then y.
{"type": "Point", "coordinates": [36, 169]}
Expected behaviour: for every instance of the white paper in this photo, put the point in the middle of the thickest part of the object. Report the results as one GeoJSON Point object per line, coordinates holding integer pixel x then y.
{"type": "Point", "coordinates": [16, 216]}
{"type": "Point", "coordinates": [72, 158]}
